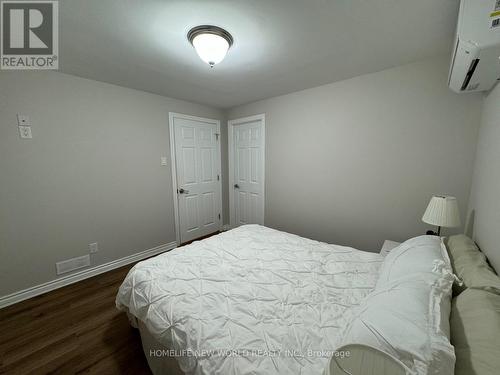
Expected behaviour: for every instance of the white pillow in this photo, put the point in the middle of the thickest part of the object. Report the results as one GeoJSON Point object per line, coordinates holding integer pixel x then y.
{"type": "Point", "coordinates": [411, 258]}
{"type": "Point", "coordinates": [407, 315]}
{"type": "Point", "coordinates": [404, 321]}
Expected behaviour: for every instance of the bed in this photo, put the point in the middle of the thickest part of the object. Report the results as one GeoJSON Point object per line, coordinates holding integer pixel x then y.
{"type": "Point", "coordinates": [252, 300]}
{"type": "Point", "coordinates": [255, 300]}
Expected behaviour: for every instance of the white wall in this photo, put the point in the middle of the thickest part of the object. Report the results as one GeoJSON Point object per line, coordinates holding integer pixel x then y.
{"type": "Point", "coordinates": [356, 162]}
{"type": "Point", "coordinates": [91, 173]}
{"type": "Point", "coordinates": [484, 202]}
{"type": "Point", "coordinates": [353, 162]}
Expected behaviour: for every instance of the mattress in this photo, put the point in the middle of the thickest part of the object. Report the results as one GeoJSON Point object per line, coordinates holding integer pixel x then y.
{"type": "Point", "coordinates": [252, 300]}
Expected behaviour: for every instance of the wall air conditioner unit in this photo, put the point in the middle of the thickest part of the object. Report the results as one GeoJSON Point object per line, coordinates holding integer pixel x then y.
{"type": "Point", "coordinates": [475, 65]}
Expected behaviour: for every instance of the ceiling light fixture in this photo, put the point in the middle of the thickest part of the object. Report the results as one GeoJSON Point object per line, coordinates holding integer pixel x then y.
{"type": "Point", "coordinates": [210, 42]}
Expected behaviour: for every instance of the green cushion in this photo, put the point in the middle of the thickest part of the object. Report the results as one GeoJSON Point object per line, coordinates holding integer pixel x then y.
{"type": "Point", "coordinates": [470, 265]}
{"type": "Point", "coordinates": [475, 332]}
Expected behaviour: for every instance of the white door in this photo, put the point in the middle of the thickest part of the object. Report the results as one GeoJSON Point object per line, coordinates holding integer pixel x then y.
{"type": "Point", "coordinates": [197, 183]}
{"type": "Point", "coordinates": [246, 170]}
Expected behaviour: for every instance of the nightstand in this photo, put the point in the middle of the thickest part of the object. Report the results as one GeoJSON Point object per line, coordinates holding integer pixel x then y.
{"type": "Point", "coordinates": [388, 246]}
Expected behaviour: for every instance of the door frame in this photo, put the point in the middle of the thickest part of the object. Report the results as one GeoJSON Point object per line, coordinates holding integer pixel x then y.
{"type": "Point", "coordinates": [230, 140]}
{"type": "Point", "coordinates": [173, 162]}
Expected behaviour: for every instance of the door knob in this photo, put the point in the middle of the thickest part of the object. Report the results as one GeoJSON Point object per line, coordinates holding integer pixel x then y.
{"type": "Point", "coordinates": [182, 191]}
{"type": "Point", "coordinates": [236, 186]}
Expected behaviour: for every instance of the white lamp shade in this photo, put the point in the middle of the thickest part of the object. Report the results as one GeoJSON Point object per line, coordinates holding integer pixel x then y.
{"type": "Point", "coordinates": [211, 48]}
{"type": "Point", "coordinates": [442, 211]}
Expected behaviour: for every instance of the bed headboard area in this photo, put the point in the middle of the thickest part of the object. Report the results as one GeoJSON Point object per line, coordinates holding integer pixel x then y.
{"type": "Point", "coordinates": [484, 203]}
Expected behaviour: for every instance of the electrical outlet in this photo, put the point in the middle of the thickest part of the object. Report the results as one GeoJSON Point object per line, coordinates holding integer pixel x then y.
{"type": "Point", "coordinates": [25, 132]}
{"type": "Point", "coordinates": [93, 247]}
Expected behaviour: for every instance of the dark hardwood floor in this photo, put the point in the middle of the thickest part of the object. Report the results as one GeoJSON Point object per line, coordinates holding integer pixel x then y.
{"type": "Point", "coordinates": [72, 330]}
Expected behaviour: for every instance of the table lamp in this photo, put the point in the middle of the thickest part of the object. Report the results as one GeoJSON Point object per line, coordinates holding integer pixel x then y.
{"type": "Point", "coordinates": [442, 211]}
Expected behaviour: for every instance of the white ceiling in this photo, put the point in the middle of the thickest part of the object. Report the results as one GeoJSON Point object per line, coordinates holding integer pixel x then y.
{"type": "Point", "coordinates": [280, 46]}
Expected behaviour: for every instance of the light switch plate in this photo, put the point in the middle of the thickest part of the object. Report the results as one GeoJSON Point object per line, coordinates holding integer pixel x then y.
{"type": "Point", "coordinates": [163, 160]}
{"type": "Point", "coordinates": [25, 132]}
{"type": "Point", "coordinates": [23, 120]}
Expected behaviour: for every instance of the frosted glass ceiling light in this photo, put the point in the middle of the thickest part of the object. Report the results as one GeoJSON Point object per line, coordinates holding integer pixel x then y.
{"type": "Point", "coordinates": [210, 42]}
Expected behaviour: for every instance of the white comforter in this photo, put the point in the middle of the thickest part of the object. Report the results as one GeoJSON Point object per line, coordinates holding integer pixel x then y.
{"type": "Point", "coordinates": [250, 301]}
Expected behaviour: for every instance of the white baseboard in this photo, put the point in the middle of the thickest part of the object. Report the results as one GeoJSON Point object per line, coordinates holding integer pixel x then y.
{"type": "Point", "coordinates": [82, 275]}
